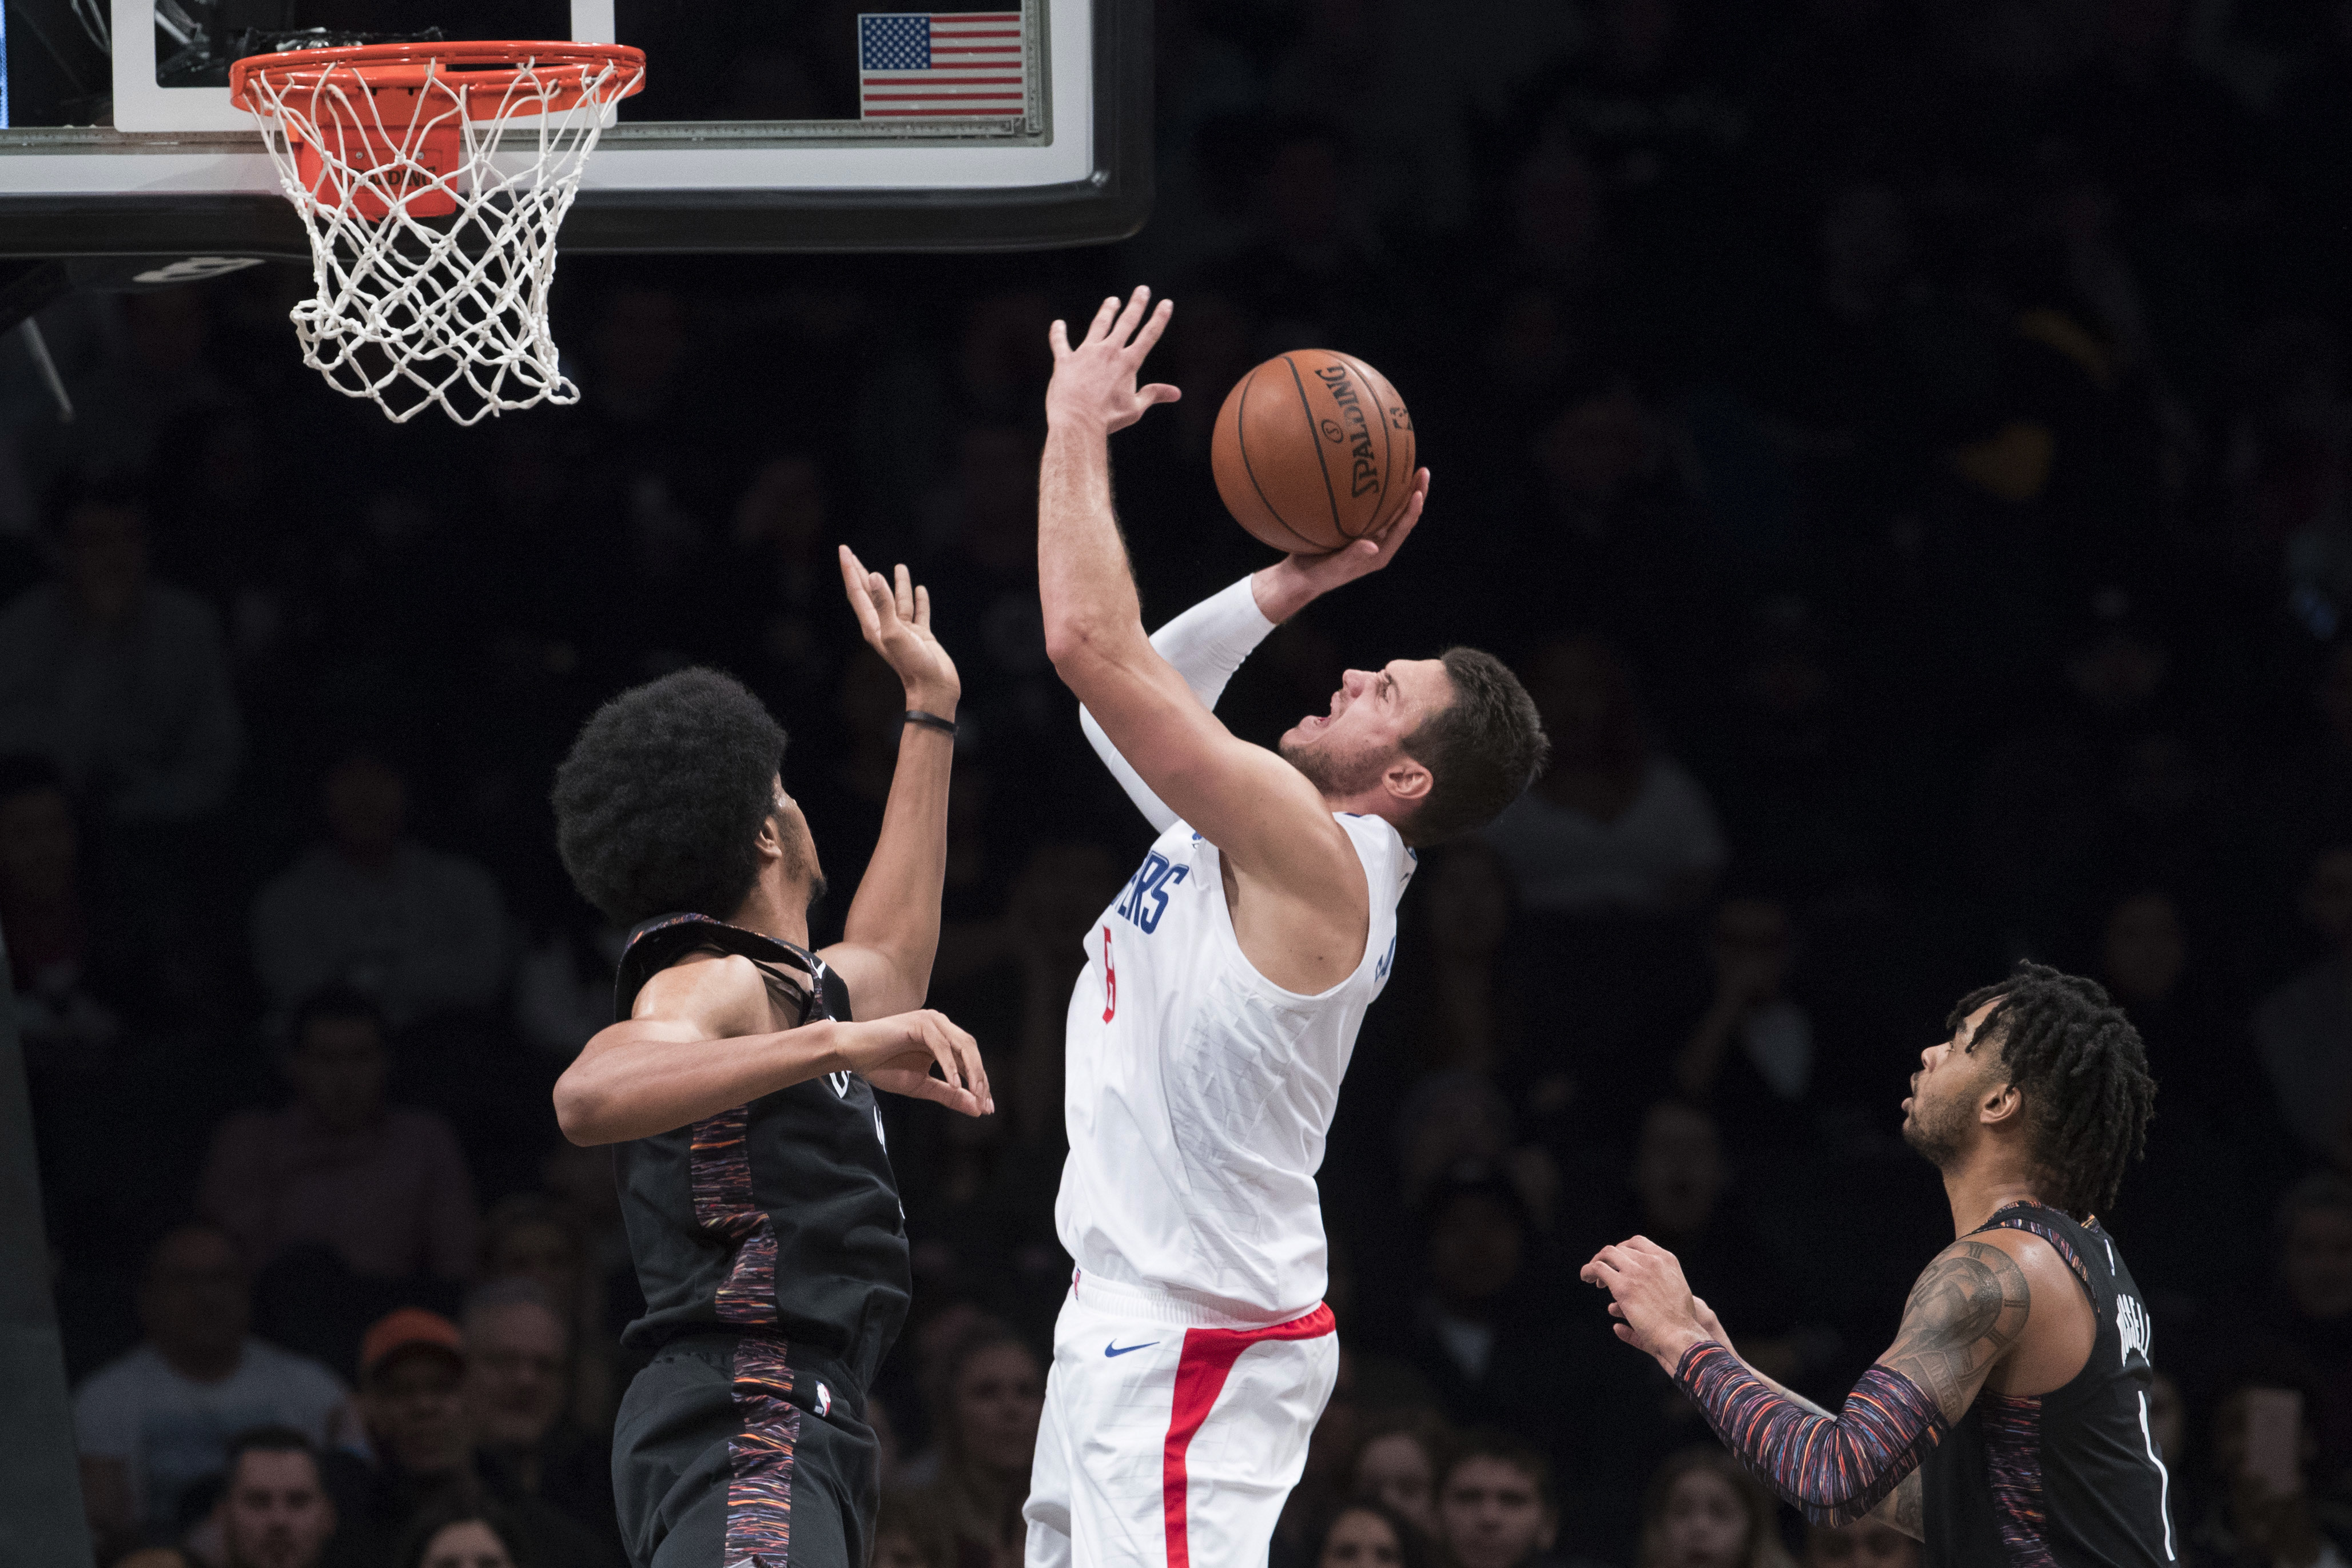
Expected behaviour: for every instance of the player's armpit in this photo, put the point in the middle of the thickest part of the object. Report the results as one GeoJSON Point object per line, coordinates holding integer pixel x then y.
{"type": "Point", "coordinates": [1966, 1313]}
{"type": "Point", "coordinates": [1261, 813]}
{"type": "Point", "coordinates": [1903, 1510]}
{"type": "Point", "coordinates": [878, 985]}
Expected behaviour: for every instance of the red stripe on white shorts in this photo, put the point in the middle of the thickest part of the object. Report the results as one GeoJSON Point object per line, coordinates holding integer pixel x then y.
{"type": "Point", "coordinates": [1201, 1368]}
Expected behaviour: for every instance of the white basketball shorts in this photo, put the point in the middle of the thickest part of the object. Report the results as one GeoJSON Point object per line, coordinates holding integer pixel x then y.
{"type": "Point", "coordinates": [1170, 1437]}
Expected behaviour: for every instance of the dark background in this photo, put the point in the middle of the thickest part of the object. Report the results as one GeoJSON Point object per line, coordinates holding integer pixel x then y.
{"type": "Point", "coordinates": [1905, 446]}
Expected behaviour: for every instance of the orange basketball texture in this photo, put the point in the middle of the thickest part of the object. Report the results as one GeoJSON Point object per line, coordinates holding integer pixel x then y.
{"type": "Point", "coordinates": [1313, 450]}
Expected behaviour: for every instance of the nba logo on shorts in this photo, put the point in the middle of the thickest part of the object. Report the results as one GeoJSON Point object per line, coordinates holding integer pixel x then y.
{"type": "Point", "coordinates": [823, 1402]}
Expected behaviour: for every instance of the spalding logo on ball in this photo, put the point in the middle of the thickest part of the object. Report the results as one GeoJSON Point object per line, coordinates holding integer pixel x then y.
{"type": "Point", "coordinates": [1313, 451]}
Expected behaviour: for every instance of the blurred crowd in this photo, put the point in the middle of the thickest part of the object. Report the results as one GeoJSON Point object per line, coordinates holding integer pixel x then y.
{"type": "Point", "coordinates": [1904, 445]}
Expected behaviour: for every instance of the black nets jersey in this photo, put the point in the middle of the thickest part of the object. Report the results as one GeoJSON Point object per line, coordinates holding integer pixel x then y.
{"type": "Point", "coordinates": [781, 1216]}
{"type": "Point", "coordinates": [2072, 1477]}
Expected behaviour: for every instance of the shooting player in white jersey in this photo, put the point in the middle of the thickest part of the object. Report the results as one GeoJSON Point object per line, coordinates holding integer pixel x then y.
{"type": "Point", "coordinates": [1221, 1001]}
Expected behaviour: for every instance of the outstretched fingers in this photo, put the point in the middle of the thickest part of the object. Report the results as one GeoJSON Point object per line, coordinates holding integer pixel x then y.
{"type": "Point", "coordinates": [1153, 325]}
{"type": "Point", "coordinates": [854, 581]}
{"type": "Point", "coordinates": [1130, 318]}
{"type": "Point", "coordinates": [1104, 318]}
{"type": "Point", "coordinates": [905, 593]}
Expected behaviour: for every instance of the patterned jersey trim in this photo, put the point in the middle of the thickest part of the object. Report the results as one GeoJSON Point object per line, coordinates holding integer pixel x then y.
{"type": "Point", "coordinates": [2012, 1434]}
{"type": "Point", "coordinates": [2028, 1218]}
{"type": "Point", "coordinates": [1831, 1469]}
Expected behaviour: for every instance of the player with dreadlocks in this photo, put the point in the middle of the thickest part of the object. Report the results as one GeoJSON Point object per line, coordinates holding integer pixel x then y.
{"type": "Point", "coordinates": [2007, 1424]}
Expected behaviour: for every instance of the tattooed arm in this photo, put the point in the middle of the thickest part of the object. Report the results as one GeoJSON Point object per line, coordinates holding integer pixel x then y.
{"type": "Point", "coordinates": [1902, 1509]}
{"type": "Point", "coordinates": [1965, 1315]}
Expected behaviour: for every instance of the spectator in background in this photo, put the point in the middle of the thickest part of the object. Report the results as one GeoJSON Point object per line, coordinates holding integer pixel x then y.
{"type": "Point", "coordinates": [2304, 1029]}
{"type": "Point", "coordinates": [71, 973]}
{"type": "Point", "coordinates": [1495, 1506]}
{"type": "Point", "coordinates": [2306, 1325]}
{"type": "Point", "coordinates": [994, 1394]}
{"type": "Point", "coordinates": [534, 1237]}
{"type": "Point", "coordinates": [1487, 1335]}
{"type": "Point", "coordinates": [120, 680]}
{"type": "Point", "coordinates": [421, 930]}
{"type": "Point", "coordinates": [1795, 789]}
{"type": "Point", "coordinates": [2264, 1512]}
{"type": "Point", "coordinates": [1396, 1467]}
{"type": "Point", "coordinates": [383, 1189]}
{"type": "Point", "coordinates": [1366, 1535]}
{"type": "Point", "coordinates": [1613, 827]}
{"type": "Point", "coordinates": [466, 1534]}
{"type": "Point", "coordinates": [161, 1419]}
{"type": "Point", "coordinates": [1703, 1510]}
{"type": "Point", "coordinates": [1867, 1543]}
{"type": "Point", "coordinates": [2221, 1147]}
{"type": "Point", "coordinates": [518, 1358]}
{"type": "Point", "coordinates": [909, 1533]}
{"type": "Point", "coordinates": [1753, 1051]}
{"type": "Point", "coordinates": [1460, 1012]}
{"type": "Point", "coordinates": [274, 1511]}
{"type": "Point", "coordinates": [1683, 1190]}
{"type": "Point", "coordinates": [412, 1398]}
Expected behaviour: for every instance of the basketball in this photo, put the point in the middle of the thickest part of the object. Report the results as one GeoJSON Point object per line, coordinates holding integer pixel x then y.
{"type": "Point", "coordinates": [1313, 450]}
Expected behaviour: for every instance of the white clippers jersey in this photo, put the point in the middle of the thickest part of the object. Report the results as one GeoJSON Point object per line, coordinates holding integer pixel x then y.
{"type": "Point", "coordinates": [1199, 1093]}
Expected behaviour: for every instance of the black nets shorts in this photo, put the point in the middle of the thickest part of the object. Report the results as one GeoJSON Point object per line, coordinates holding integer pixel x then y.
{"type": "Point", "coordinates": [724, 1454]}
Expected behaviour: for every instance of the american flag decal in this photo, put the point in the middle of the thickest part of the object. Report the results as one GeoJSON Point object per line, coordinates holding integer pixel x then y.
{"type": "Point", "coordinates": [942, 65]}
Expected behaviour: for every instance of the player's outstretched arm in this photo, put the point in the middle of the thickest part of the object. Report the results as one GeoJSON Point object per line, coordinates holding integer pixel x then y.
{"type": "Point", "coordinates": [892, 931]}
{"type": "Point", "coordinates": [698, 1045]}
{"type": "Point", "coordinates": [1208, 642]}
{"type": "Point", "coordinates": [1966, 1314]}
{"type": "Point", "coordinates": [1258, 809]}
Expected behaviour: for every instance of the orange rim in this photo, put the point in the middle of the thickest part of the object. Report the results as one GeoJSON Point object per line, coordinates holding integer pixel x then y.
{"type": "Point", "coordinates": [393, 67]}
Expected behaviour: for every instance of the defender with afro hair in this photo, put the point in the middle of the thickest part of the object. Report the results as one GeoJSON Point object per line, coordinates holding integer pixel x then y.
{"type": "Point", "coordinates": [659, 804]}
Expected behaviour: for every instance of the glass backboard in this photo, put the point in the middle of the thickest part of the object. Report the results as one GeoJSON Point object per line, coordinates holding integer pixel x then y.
{"type": "Point", "coordinates": [790, 125]}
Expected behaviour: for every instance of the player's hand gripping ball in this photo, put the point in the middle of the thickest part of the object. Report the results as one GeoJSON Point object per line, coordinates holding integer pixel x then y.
{"type": "Point", "coordinates": [1313, 449]}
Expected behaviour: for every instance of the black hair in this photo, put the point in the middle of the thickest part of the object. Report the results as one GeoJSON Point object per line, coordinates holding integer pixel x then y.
{"type": "Point", "coordinates": [340, 1000]}
{"type": "Point", "coordinates": [1482, 748]}
{"type": "Point", "coordinates": [271, 1438]}
{"type": "Point", "coordinates": [463, 1510]}
{"type": "Point", "coordinates": [659, 804]}
{"type": "Point", "coordinates": [1410, 1551]}
{"type": "Point", "coordinates": [2083, 1072]}
{"type": "Point", "coordinates": [1492, 1443]}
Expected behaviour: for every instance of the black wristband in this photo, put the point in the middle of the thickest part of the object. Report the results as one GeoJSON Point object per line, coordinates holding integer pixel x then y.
{"type": "Point", "coordinates": [929, 721]}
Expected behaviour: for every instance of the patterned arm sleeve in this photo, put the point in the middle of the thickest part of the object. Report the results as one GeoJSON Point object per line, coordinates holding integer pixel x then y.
{"type": "Point", "coordinates": [1832, 1469]}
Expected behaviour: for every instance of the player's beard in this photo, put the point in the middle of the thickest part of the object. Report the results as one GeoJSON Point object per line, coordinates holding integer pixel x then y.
{"type": "Point", "coordinates": [800, 860]}
{"type": "Point", "coordinates": [1335, 774]}
{"type": "Point", "coordinates": [1938, 1132]}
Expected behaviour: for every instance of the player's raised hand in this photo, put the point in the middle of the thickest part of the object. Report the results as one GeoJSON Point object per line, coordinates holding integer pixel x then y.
{"type": "Point", "coordinates": [896, 618]}
{"type": "Point", "coordinates": [1295, 581]}
{"type": "Point", "coordinates": [897, 1053]}
{"type": "Point", "coordinates": [1094, 383]}
{"type": "Point", "coordinates": [1651, 1301]}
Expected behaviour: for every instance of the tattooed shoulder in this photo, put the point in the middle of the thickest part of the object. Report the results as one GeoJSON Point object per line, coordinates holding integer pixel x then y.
{"type": "Point", "coordinates": [1968, 1308]}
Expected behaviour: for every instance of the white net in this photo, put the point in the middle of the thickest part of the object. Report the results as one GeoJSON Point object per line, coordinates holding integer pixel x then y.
{"type": "Point", "coordinates": [432, 198]}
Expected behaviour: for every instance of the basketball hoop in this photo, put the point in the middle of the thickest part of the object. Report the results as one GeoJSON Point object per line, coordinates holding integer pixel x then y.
{"type": "Point", "coordinates": [432, 178]}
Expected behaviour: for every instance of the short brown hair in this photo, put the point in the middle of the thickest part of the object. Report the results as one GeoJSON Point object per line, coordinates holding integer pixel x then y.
{"type": "Point", "coordinates": [1483, 750]}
